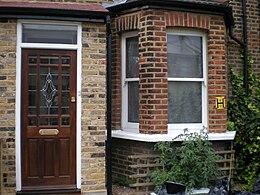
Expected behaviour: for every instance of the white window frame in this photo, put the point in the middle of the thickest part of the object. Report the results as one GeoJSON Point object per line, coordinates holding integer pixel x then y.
{"type": "Point", "coordinates": [126, 126]}
{"type": "Point", "coordinates": [179, 127]}
{"type": "Point", "coordinates": [20, 45]}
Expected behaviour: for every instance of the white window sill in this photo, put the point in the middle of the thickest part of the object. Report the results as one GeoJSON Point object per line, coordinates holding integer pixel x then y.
{"type": "Point", "coordinates": [228, 135]}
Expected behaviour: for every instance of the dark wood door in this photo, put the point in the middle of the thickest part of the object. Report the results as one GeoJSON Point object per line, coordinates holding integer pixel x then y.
{"type": "Point", "coordinates": [48, 116]}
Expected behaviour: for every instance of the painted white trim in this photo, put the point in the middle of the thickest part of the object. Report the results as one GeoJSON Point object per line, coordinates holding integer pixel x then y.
{"type": "Point", "coordinates": [194, 126]}
{"type": "Point", "coordinates": [48, 46]}
{"type": "Point", "coordinates": [78, 114]}
{"type": "Point", "coordinates": [18, 109]}
{"type": "Point", "coordinates": [186, 79]}
{"type": "Point", "coordinates": [19, 48]}
{"type": "Point", "coordinates": [127, 126]}
{"type": "Point", "coordinates": [228, 135]}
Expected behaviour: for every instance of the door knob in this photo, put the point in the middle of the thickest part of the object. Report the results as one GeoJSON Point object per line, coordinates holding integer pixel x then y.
{"type": "Point", "coordinates": [73, 99]}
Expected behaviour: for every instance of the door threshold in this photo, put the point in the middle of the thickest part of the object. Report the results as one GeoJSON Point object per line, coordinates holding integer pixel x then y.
{"type": "Point", "coordinates": [52, 192]}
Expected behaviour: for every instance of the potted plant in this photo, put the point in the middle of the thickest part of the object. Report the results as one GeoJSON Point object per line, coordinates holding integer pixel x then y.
{"type": "Point", "coordinates": [193, 163]}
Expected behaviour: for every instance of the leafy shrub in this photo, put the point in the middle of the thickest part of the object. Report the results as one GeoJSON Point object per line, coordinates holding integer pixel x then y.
{"type": "Point", "coordinates": [192, 164]}
{"type": "Point", "coordinates": [244, 117]}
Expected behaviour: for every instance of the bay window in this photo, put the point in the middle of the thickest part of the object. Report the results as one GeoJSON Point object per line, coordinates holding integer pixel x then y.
{"type": "Point", "coordinates": [187, 100]}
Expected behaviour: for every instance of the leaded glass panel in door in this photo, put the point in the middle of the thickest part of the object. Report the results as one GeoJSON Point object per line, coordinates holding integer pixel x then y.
{"type": "Point", "coordinates": [48, 119]}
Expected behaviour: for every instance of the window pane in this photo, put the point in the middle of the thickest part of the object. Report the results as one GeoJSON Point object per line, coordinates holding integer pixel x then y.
{"type": "Point", "coordinates": [65, 121]}
{"type": "Point", "coordinates": [49, 60]}
{"type": "Point", "coordinates": [133, 102]}
{"type": "Point", "coordinates": [49, 33]}
{"type": "Point", "coordinates": [32, 121]}
{"type": "Point", "coordinates": [65, 60]}
{"type": "Point", "coordinates": [184, 56]}
{"type": "Point", "coordinates": [132, 57]}
{"type": "Point", "coordinates": [185, 104]}
{"type": "Point", "coordinates": [32, 59]}
{"type": "Point", "coordinates": [48, 121]}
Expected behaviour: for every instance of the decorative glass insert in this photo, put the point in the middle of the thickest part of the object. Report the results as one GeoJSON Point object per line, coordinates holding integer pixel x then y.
{"type": "Point", "coordinates": [49, 33]}
{"type": "Point", "coordinates": [49, 91]}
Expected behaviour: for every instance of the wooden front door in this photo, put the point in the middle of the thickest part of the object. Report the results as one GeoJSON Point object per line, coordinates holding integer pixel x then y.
{"type": "Point", "coordinates": [48, 119]}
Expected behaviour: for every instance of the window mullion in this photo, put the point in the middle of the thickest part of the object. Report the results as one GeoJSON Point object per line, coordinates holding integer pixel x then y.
{"type": "Point", "coordinates": [187, 79]}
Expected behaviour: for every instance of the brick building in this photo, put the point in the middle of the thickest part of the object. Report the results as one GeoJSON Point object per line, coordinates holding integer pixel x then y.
{"type": "Point", "coordinates": [52, 96]}
{"type": "Point", "coordinates": [170, 63]}
{"type": "Point", "coordinates": [169, 70]}
{"type": "Point", "coordinates": [252, 34]}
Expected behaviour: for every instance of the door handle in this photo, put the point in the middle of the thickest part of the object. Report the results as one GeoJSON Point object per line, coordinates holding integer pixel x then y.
{"type": "Point", "coordinates": [73, 99]}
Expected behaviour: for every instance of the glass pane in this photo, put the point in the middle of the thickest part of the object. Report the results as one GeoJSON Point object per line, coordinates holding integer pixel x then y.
{"type": "Point", "coordinates": [32, 110]}
{"type": "Point", "coordinates": [65, 110]}
{"type": "Point", "coordinates": [65, 121]}
{"type": "Point", "coordinates": [185, 103]}
{"type": "Point", "coordinates": [32, 59]}
{"type": "Point", "coordinates": [32, 98]}
{"type": "Point", "coordinates": [54, 70]}
{"type": "Point", "coordinates": [49, 33]}
{"type": "Point", "coordinates": [53, 121]}
{"type": "Point", "coordinates": [133, 102]}
{"type": "Point", "coordinates": [132, 57]}
{"type": "Point", "coordinates": [54, 110]}
{"type": "Point", "coordinates": [32, 82]}
{"type": "Point", "coordinates": [32, 121]}
{"type": "Point", "coordinates": [43, 121]}
{"type": "Point", "coordinates": [43, 110]}
{"type": "Point", "coordinates": [32, 70]}
{"type": "Point", "coordinates": [65, 60]}
{"type": "Point", "coordinates": [184, 56]}
{"type": "Point", "coordinates": [48, 89]}
{"type": "Point", "coordinates": [65, 98]}
{"type": "Point", "coordinates": [65, 83]}
{"type": "Point", "coordinates": [66, 71]}
{"type": "Point", "coordinates": [48, 121]}
{"type": "Point", "coordinates": [49, 60]}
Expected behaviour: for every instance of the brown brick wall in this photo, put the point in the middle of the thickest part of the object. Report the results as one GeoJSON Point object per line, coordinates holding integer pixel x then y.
{"type": "Point", "coordinates": [116, 77]}
{"type": "Point", "coordinates": [7, 104]}
{"type": "Point", "coordinates": [93, 106]}
{"type": "Point", "coordinates": [153, 94]}
{"type": "Point", "coordinates": [253, 19]}
{"type": "Point", "coordinates": [126, 166]}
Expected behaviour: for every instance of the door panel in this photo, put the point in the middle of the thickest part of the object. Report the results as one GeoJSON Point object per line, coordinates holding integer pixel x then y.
{"type": "Point", "coordinates": [48, 119]}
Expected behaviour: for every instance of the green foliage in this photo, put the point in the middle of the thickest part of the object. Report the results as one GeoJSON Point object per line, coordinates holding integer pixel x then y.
{"type": "Point", "coordinates": [192, 164]}
{"type": "Point", "coordinates": [244, 115]}
{"type": "Point", "coordinates": [122, 182]}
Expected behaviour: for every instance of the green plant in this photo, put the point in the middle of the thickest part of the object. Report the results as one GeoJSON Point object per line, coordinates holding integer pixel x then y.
{"type": "Point", "coordinates": [122, 181]}
{"type": "Point", "coordinates": [244, 114]}
{"type": "Point", "coordinates": [193, 163]}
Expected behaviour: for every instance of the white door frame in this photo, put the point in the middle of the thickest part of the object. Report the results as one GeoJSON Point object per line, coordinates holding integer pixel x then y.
{"type": "Point", "coordinates": [19, 48]}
